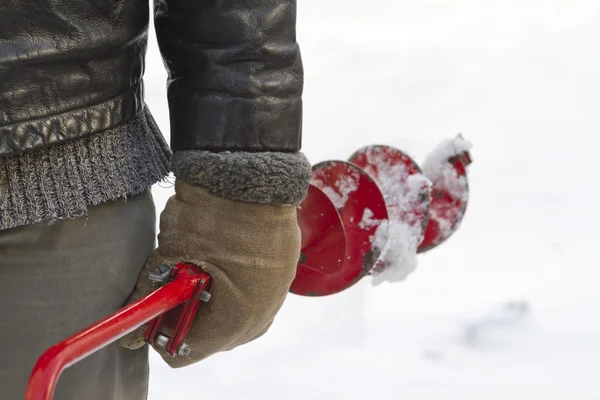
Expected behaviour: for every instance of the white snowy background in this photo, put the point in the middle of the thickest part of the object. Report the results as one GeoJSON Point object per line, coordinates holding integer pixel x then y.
{"type": "Point", "coordinates": [521, 80]}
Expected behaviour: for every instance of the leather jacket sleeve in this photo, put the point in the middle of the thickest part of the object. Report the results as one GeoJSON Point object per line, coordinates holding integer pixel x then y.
{"type": "Point", "coordinates": [235, 73]}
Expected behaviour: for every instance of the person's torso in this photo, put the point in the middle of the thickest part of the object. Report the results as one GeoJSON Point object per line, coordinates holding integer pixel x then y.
{"type": "Point", "coordinates": [68, 68]}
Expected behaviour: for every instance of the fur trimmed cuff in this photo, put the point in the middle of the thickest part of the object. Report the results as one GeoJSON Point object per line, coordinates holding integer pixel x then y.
{"type": "Point", "coordinates": [261, 177]}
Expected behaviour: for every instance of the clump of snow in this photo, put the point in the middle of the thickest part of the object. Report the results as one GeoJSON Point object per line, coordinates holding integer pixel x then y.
{"type": "Point", "coordinates": [444, 176]}
{"type": "Point", "coordinates": [440, 155]}
{"type": "Point", "coordinates": [398, 238]}
{"type": "Point", "coordinates": [399, 249]}
{"type": "Point", "coordinates": [367, 220]}
{"type": "Point", "coordinates": [343, 187]}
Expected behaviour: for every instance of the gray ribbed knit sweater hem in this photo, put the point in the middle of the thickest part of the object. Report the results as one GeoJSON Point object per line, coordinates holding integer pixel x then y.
{"type": "Point", "coordinates": [62, 181]}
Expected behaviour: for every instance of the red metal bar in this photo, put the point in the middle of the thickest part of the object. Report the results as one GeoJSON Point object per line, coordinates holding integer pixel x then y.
{"type": "Point", "coordinates": [180, 319]}
{"type": "Point", "coordinates": [57, 358]}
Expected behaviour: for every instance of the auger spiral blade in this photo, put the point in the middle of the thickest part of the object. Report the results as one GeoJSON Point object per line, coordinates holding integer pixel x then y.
{"type": "Point", "coordinates": [359, 203]}
{"type": "Point", "coordinates": [323, 241]}
{"type": "Point", "coordinates": [407, 195]}
{"type": "Point", "coordinates": [371, 215]}
{"type": "Point", "coordinates": [446, 167]}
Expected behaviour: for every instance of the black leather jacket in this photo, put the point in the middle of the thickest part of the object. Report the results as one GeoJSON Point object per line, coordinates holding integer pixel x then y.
{"type": "Point", "coordinates": [72, 68]}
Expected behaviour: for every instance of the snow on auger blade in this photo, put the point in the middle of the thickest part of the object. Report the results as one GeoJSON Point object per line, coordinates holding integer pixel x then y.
{"type": "Point", "coordinates": [373, 214]}
{"type": "Point", "coordinates": [446, 168]}
{"type": "Point", "coordinates": [407, 195]}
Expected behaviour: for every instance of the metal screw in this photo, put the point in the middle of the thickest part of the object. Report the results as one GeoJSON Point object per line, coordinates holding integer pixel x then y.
{"type": "Point", "coordinates": [205, 296]}
{"type": "Point", "coordinates": [161, 341]}
{"type": "Point", "coordinates": [161, 277]}
{"type": "Point", "coordinates": [184, 350]}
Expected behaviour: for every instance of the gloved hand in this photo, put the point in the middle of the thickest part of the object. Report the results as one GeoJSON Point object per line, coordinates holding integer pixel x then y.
{"type": "Point", "coordinates": [250, 247]}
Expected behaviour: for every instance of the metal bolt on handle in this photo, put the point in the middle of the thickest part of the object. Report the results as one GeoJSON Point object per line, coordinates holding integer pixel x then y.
{"type": "Point", "coordinates": [162, 341]}
{"type": "Point", "coordinates": [205, 296]}
{"type": "Point", "coordinates": [161, 277]}
{"type": "Point", "coordinates": [184, 350]}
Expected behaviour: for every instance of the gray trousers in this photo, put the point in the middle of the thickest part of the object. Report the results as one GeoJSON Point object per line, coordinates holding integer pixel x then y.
{"type": "Point", "coordinates": [58, 279]}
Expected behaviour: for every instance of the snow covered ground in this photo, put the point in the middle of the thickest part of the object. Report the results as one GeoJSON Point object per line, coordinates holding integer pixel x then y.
{"type": "Point", "coordinates": [520, 79]}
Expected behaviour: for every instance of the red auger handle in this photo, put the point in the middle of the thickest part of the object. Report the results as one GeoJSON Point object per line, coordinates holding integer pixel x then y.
{"type": "Point", "coordinates": [179, 320]}
{"type": "Point", "coordinates": [182, 289]}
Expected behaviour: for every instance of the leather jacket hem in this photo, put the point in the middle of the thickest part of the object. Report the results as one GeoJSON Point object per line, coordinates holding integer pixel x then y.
{"type": "Point", "coordinates": [73, 124]}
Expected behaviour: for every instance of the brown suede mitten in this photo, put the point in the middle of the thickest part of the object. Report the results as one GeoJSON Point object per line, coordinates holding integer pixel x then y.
{"type": "Point", "coordinates": [249, 249]}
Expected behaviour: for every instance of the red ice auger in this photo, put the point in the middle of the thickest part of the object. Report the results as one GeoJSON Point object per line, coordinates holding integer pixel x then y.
{"type": "Point", "coordinates": [372, 214]}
